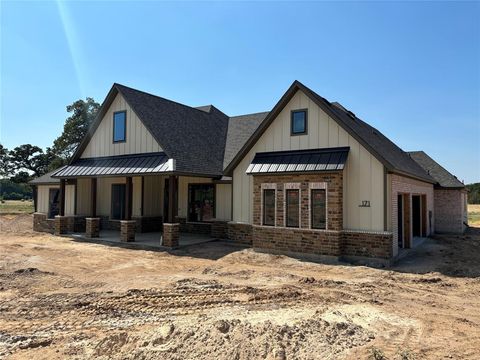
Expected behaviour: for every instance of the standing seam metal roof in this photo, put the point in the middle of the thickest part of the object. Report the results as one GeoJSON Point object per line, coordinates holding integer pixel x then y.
{"type": "Point", "coordinates": [151, 163]}
{"type": "Point", "coordinates": [330, 159]}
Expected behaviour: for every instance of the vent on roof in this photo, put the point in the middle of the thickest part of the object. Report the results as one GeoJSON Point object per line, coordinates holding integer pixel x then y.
{"type": "Point", "coordinates": [341, 107]}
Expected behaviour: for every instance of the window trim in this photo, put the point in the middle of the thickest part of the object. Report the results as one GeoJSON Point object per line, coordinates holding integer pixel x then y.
{"type": "Point", "coordinates": [317, 186]}
{"type": "Point", "coordinates": [292, 133]}
{"type": "Point", "coordinates": [287, 187]}
{"type": "Point", "coordinates": [113, 127]}
{"type": "Point", "coordinates": [214, 202]}
{"type": "Point", "coordinates": [268, 186]}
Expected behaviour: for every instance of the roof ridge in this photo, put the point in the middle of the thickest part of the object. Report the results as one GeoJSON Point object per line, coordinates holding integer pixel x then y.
{"type": "Point", "coordinates": [249, 114]}
{"type": "Point", "coordinates": [162, 98]}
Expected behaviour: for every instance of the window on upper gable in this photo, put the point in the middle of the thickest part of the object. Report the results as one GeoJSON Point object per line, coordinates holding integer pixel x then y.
{"type": "Point", "coordinates": [119, 126]}
{"type": "Point", "coordinates": [299, 122]}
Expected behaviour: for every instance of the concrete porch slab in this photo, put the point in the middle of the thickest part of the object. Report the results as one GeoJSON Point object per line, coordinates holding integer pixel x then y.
{"type": "Point", "coordinates": [145, 240]}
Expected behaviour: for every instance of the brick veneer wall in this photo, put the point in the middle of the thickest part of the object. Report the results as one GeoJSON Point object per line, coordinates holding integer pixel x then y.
{"type": "Point", "coordinates": [79, 224]}
{"type": "Point", "coordinates": [107, 224]}
{"type": "Point", "coordinates": [302, 239]}
{"type": "Point", "coordinates": [297, 240]}
{"type": "Point", "coordinates": [403, 185]}
{"type": "Point", "coordinates": [240, 233]}
{"type": "Point", "coordinates": [334, 241]}
{"type": "Point", "coordinates": [367, 244]}
{"type": "Point", "coordinates": [42, 224]}
{"type": "Point", "coordinates": [148, 223]}
{"type": "Point", "coordinates": [334, 183]}
{"type": "Point", "coordinates": [194, 227]}
{"type": "Point", "coordinates": [449, 211]}
{"type": "Point", "coordinates": [219, 229]}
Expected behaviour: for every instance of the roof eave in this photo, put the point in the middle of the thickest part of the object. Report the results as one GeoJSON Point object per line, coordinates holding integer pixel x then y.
{"type": "Point", "coordinates": [406, 174]}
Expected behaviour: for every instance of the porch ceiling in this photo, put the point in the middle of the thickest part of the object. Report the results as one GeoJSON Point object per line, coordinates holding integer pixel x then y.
{"type": "Point", "coordinates": [136, 164]}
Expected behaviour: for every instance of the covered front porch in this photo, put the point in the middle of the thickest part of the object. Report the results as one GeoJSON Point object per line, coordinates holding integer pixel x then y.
{"type": "Point", "coordinates": [150, 240]}
{"type": "Point", "coordinates": [118, 201]}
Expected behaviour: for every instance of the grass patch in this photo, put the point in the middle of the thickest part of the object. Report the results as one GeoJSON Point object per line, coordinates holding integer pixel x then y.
{"type": "Point", "coordinates": [16, 207]}
{"type": "Point", "coordinates": [473, 214]}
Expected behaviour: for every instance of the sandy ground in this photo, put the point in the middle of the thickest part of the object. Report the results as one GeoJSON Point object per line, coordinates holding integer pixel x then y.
{"type": "Point", "coordinates": [65, 299]}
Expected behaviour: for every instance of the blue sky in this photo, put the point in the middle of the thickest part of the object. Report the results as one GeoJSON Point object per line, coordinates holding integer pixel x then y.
{"type": "Point", "coordinates": [411, 69]}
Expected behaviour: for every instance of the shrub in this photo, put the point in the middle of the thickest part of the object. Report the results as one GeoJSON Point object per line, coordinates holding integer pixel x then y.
{"type": "Point", "coordinates": [376, 354]}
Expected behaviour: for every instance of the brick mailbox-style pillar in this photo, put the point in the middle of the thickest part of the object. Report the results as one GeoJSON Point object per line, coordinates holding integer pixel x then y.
{"type": "Point", "coordinates": [61, 225]}
{"type": "Point", "coordinates": [92, 227]}
{"type": "Point", "coordinates": [171, 235]}
{"type": "Point", "coordinates": [127, 230]}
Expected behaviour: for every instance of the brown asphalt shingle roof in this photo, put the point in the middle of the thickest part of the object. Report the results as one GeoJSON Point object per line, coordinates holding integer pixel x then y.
{"type": "Point", "coordinates": [443, 177]}
{"type": "Point", "coordinates": [205, 141]}
{"type": "Point", "coordinates": [240, 129]}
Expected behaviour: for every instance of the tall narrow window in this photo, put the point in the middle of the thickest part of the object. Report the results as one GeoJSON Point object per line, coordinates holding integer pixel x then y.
{"type": "Point", "coordinates": [119, 126]}
{"type": "Point", "coordinates": [318, 209]}
{"type": "Point", "coordinates": [292, 208]}
{"type": "Point", "coordinates": [299, 122]}
{"type": "Point", "coordinates": [269, 207]}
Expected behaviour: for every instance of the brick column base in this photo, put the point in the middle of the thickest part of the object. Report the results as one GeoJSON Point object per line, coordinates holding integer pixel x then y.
{"type": "Point", "coordinates": [61, 225]}
{"type": "Point", "coordinates": [171, 235]}
{"type": "Point", "coordinates": [92, 227]}
{"type": "Point", "coordinates": [127, 230]}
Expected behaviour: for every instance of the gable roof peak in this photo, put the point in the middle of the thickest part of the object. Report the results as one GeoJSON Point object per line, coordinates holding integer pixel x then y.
{"type": "Point", "coordinates": [120, 87]}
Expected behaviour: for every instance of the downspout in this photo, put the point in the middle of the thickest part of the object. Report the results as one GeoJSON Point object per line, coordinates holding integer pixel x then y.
{"type": "Point", "coordinates": [385, 199]}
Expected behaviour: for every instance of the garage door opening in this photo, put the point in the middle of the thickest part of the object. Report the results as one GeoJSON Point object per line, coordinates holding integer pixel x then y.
{"type": "Point", "coordinates": [417, 215]}
{"type": "Point", "coordinates": [400, 220]}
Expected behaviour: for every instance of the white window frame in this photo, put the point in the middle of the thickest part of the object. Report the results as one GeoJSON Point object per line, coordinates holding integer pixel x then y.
{"type": "Point", "coordinates": [317, 186]}
{"type": "Point", "coordinates": [268, 186]}
{"type": "Point", "coordinates": [292, 186]}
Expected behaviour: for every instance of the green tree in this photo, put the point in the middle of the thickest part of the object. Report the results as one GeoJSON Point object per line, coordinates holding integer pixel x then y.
{"type": "Point", "coordinates": [21, 177]}
{"type": "Point", "coordinates": [6, 168]}
{"type": "Point", "coordinates": [75, 128]}
{"type": "Point", "coordinates": [30, 158]}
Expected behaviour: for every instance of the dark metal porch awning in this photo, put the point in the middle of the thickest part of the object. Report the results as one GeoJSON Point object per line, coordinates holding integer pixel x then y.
{"type": "Point", "coordinates": [149, 163]}
{"type": "Point", "coordinates": [328, 159]}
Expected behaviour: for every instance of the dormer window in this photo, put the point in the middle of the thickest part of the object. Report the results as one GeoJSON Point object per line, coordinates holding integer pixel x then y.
{"type": "Point", "coordinates": [119, 126]}
{"type": "Point", "coordinates": [299, 122]}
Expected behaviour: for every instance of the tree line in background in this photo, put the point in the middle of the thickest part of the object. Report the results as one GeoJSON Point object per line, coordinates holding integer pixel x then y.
{"type": "Point", "coordinates": [474, 193]}
{"type": "Point", "coordinates": [25, 162]}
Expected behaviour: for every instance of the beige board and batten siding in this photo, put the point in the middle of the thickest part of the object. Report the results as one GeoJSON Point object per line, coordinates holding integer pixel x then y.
{"type": "Point", "coordinates": [43, 198]}
{"type": "Point", "coordinates": [223, 202]}
{"type": "Point", "coordinates": [363, 174]}
{"type": "Point", "coordinates": [84, 197]}
{"type": "Point", "coordinates": [138, 138]}
{"type": "Point", "coordinates": [153, 195]}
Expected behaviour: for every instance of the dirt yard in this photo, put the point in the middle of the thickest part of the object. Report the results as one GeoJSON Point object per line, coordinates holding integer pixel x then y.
{"type": "Point", "coordinates": [65, 299]}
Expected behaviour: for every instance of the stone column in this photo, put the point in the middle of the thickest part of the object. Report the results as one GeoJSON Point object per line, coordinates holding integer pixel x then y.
{"type": "Point", "coordinates": [61, 225]}
{"type": "Point", "coordinates": [40, 222]}
{"type": "Point", "coordinates": [92, 227]}
{"type": "Point", "coordinates": [127, 230]}
{"type": "Point", "coordinates": [171, 235]}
